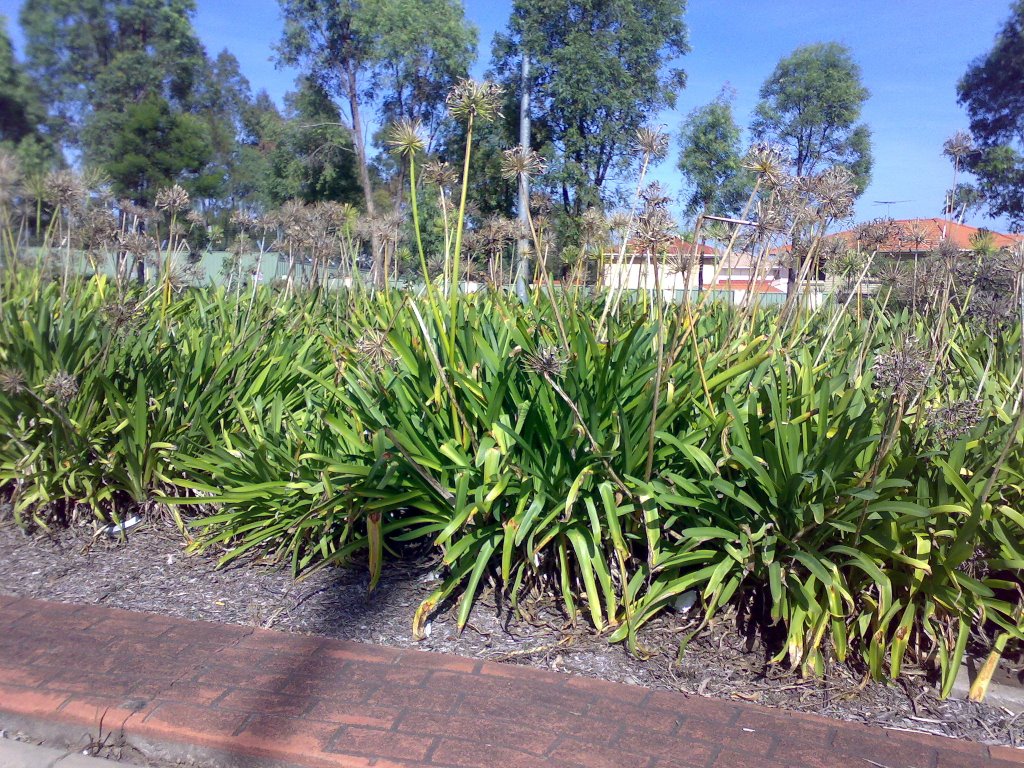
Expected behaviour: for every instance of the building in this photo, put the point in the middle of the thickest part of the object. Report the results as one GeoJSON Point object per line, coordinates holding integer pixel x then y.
{"type": "Point", "coordinates": [736, 273]}
{"type": "Point", "coordinates": [906, 238]}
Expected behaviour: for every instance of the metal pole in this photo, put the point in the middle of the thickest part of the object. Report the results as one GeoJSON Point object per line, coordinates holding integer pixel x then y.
{"type": "Point", "coordinates": [523, 249]}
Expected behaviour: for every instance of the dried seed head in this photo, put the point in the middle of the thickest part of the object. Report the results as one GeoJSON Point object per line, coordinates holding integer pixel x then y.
{"type": "Point", "coordinates": [440, 173]}
{"type": "Point", "coordinates": [172, 199]}
{"type": "Point", "coordinates": [892, 275]}
{"type": "Point", "coordinates": [137, 244]}
{"type": "Point", "coordinates": [123, 317]}
{"type": "Point", "coordinates": [877, 232]}
{"type": "Point", "coordinates": [12, 381]}
{"type": "Point", "coordinates": [654, 196]}
{"type": "Point", "coordinates": [540, 203]}
{"type": "Point", "coordinates": [953, 421]}
{"type": "Point", "coordinates": [64, 189]}
{"type": "Point", "coordinates": [958, 146]}
{"type": "Point", "coordinates": [768, 161]}
{"type": "Point", "coordinates": [469, 98]}
{"type": "Point", "coordinates": [651, 142]}
{"type": "Point", "coordinates": [519, 162]}
{"type": "Point", "coordinates": [904, 369]}
{"type": "Point", "coordinates": [836, 192]}
{"type": "Point", "coordinates": [405, 138]}
{"type": "Point", "coordinates": [495, 232]}
{"type": "Point", "coordinates": [915, 234]}
{"type": "Point", "coordinates": [62, 386]}
{"type": "Point", "coordinates": [619, 221]}
{"type": "Point", "coordinates": [98, 229]}
{"type": "Point", "coordinates": [655, 229]}
{"type": "Point", "coordinates": [374, 350]}
{"type": "Point", "coordinates": [770, 220]}
{"type": "Point", "coordinates": [547, 361]}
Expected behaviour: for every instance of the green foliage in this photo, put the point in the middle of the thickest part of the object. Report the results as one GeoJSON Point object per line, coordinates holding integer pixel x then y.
{"type": "Point", "coordinates": [599, 70]}
{"type": "Point", "coordinates": [93, 57]}
{"type": "Point", "coordinates": [310, 157]}
{"type": "Point", "coordinates": [811, 104]}
{"type": "Point", "coordinates": [815, 497]}
{"type": "Point", "coordinates": [22, 114]}
{"type": "Point", "coordinates": [991, 90]}
{"type": "Point", "coordinates": [398, 57]}
{"type": "Point", "coordinates": [419, 50]}
{"type": "Point", "coordinates": [711, 160]}
{"type": "Point", "coordinates": [154, 148]}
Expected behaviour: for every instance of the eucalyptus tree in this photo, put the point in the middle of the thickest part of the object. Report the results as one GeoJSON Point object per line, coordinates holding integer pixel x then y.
{"type": "Point", "coordinates": [811, 105]}
{"type": "Point", "coordinates": [392, 58]}
{"type": "Point", "coordinates": [599, 70]}
{"type": "Point", "coordinates": [389, 59]}
{"type": "Point", "coordinates": [992, 91]}
{"type": "Point", "coordinates": [711, 160]}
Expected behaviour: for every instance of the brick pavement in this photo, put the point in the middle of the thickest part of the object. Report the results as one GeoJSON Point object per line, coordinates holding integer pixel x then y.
{"type": "Point", "coordinates": [246, 697]}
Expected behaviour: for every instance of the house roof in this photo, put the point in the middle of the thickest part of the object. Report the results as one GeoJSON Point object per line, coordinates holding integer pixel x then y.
{"type": "Point", "coordinates": [923, 235]}
{"type": "Point", "coordinates": [676, 246]}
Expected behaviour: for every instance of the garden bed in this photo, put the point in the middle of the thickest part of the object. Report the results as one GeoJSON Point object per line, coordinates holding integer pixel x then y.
{"type": "Point", "coordinates": [153, 573]}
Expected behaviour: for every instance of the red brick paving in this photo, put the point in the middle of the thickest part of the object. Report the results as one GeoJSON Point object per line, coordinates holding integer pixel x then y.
{"type": "Point", "coordinates": [244, 694]}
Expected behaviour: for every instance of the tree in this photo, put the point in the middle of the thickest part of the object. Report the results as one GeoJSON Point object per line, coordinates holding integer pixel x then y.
{"type": "Point", "coordinates": [992, 91]}
{"type": "Point", "coordinates": [22, 115]}
{"type": "Point", "coordinates": [393, 56]}
{"type": "Point", "coordinates": [811, 104]}
{"type": "Point", "coordinates": [221, 100]}
{"type": "Point", "coordinates": [598, 70]}
{"type": "Point", "coordinates": [312, 156]}
{"type": "Point", "coordinates": [419, 50]}
{"type": "Point", "coordinates": [93, 57]}
{"type": "Point", "coordinates": [409, 50]}
{"type": "Point", "coordinates": [154, 148]}
{"type": "Point", "coordinates": [711, 160]}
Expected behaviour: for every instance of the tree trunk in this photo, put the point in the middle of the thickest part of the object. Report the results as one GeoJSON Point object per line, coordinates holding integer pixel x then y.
{"type": "Point", "coordinates": [700, 252]}
{"type": "Point", "coordinates": [359, 142]}
{"type": "Point", "coordinates": [524, 187]}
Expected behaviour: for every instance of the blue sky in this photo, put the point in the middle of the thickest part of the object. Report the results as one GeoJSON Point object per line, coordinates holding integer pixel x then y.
{"type": "Point", "coordinates": [911, 52]}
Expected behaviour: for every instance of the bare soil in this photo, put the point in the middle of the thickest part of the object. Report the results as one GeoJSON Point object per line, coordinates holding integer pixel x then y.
{"type": "Point", "coordinates": [151, 571]}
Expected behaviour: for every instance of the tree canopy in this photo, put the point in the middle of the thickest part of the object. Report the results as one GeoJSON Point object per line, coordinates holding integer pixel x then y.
{"type": "Point", "coordinates": [992, 91]}
{"type": "Point", "coordinates": [397, 58]}
{"type": "Point", "coordinates": [600, 69]}
{"type": "Point", "coordinates": [91, 57]}
{"type": "Point", "coordinates": [711, 160]}
{"type": "Point", "coordinates": [154, 148]}
{"type": "Point", "coordinates": [22, 113]}
{"type": "Point", "coordinates": [811, 105]}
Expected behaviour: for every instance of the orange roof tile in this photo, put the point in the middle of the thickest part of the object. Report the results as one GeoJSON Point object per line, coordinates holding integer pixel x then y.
{"type": "Point", "coordinates": [922, 235]}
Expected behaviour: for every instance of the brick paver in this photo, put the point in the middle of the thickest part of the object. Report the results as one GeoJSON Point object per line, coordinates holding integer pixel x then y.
{"type": "Point", "coordinates": [252, 695]}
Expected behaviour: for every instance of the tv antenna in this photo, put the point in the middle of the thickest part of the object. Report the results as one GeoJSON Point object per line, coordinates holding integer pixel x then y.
{"type": "Point", "coordinates": [889, 203]}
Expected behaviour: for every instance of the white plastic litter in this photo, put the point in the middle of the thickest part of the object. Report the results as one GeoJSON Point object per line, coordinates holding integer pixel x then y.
{"type": "Point", "coordinates": [117, 530]}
